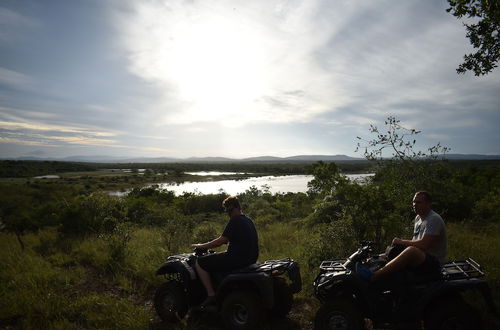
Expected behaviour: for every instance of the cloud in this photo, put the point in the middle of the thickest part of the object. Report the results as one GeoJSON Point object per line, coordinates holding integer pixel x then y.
{"type": "Point", "coordinates": [48, 127]}
{"type": "Point", "coordinates": [11, 23]}
{"type": "Point", "coordinates": [15, 79]}
{"type": "Point", "coordinates": [40, 134]}
{"type": "Point", "coordinates": [24, 141]}
{"type": "Point", "coordinates": [230, 60]}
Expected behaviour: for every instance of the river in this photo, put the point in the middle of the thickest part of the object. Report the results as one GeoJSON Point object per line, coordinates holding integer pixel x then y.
{"type": "Point", "coordinates": [275, 184]}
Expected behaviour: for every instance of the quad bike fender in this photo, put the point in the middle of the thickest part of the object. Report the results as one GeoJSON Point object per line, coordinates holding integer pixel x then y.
{"type": "Point", "coordinates": [455, 287]}
{"type": "Point", "coordinates": [327, 283]}
{"type": "Point", "coordinates": [343, 286]}
{"type": "Point", "coordinates": [259, 283]}
{"type": "Point", "coordinates": [293, 272]}
{"type": "Point", "coordinates": [181, 267]}
{"type": "Point", "coordinates": [339, 286]}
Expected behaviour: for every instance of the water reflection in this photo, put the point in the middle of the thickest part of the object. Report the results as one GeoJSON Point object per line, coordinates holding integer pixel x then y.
{"type": "Point", "coordinates": [275, 184]}
{"type": "Point", "coordinates": [208, 173]}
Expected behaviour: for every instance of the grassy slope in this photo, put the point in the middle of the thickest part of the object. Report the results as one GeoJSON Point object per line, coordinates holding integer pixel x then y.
{"type": "Point", "coordinates": [65, 284]}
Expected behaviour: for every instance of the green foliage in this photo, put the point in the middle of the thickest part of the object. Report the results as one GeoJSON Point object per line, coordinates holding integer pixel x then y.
{"type": "Point", "coordinates": [205, 232]}
{"type": "Point", "coordinates": [191, 203]}
{"type": "Point", "coordinates": [145, 251]}
{"type": "Point", "coordinates": [94, 213]}
{"type": "Point", "coordinates": [95, 311]}
{"type": "Point", "coordinates": [89, 261]}
{"type": "Point", "coordinates": [480, 243]}
{"type": "Point", "coordinates": [486, 210]}
{"type": "Point", "coordinates": [326, 177]}
{"type": "Point", "coordinates": [24, 168]}
{"type": "Point", "coordinates": [399, 140]}
{"type": "Point", "coordinates": [483, 34]}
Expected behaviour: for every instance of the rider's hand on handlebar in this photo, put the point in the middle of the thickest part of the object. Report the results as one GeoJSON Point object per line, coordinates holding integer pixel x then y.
{"type": "Point", "coordinates": [397, 241]}
{"type": "Point", "coordinates": [196, 246]}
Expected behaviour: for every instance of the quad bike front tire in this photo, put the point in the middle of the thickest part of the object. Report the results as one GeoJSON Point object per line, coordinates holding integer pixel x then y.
{"type": "Point", "coordinates": [171, 302]}
{"type": "Point", "coordinates": [338, 314]}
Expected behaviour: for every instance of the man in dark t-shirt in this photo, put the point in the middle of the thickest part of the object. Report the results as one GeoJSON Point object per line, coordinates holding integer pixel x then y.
{"type": "Point", "coordinates": [242, 251]}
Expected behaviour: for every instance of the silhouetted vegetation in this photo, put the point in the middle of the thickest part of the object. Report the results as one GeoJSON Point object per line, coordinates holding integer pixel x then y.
{"type": "Point", "coordinates": [482, 32]}
{"type": "Point", "coordinates": [27, 169]}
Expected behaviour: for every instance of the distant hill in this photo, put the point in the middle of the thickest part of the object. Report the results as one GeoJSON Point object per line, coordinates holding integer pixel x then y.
{"type": "Point", "coordinates": [315, 158]}
{"type": "Point", "coordinates": [471, 156]}
{"type": "Point", "coordinates": [206, 160]}
{"type": "Point", "coordinates": [269, 159]}
{"type": "Point", "coordinates": [262, 159]}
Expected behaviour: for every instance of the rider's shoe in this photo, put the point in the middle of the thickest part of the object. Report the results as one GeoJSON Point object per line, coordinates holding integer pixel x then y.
{"type": "Point", "coordinates": [364, 272]}
{"type": "Point", "coordinates": [210, 301]}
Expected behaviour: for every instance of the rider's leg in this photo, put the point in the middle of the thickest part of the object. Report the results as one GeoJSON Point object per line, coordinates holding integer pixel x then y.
{"type": "Point", "coordinates": [411, 256]}
{"type": "Point", "coordinates": [205, 279]}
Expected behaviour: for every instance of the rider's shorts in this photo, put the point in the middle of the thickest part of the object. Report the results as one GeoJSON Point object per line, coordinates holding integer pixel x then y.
{"type": "Point", "coordinates": [219, 262]}
{"type": "Point", "coordinates": [429, 266]}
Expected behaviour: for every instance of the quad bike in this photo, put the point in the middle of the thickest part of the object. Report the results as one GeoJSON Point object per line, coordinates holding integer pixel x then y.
{"type": "Point", "coordinates": [436, 300]}
{"type": "Point", "coordinates": [243, 296]}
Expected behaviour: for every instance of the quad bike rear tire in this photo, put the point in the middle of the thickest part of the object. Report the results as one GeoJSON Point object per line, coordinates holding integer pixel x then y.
{"type": "Point", "coordinates": [242, 310]}
{"type": "Point", "coordinates": [283, 298]}
{"type": "Point", "coordinates": [452, 313]}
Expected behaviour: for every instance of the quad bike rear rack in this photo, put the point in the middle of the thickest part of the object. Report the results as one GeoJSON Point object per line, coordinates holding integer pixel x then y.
{"type": "Point", "coordinates": [336, 265]}
{"type": "Point", "coordinates": [463, 269]}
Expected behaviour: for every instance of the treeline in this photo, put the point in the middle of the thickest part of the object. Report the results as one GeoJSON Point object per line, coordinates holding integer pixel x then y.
{"type": "Point", "coordinates": [26, 169]}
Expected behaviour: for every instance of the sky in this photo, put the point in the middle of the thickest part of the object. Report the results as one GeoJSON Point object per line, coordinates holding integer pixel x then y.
{"type": "Point", "coordinates": [231, 78]}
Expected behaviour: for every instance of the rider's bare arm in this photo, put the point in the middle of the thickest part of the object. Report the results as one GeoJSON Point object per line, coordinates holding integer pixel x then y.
{"type": "Point", "coordinates": [423, 244]}
{"type": "Point", "coordinates": [212, 244]}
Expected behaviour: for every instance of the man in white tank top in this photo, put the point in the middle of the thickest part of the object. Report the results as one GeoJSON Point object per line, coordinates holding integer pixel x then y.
{"type": "Point", "coordinates": [425, 252]}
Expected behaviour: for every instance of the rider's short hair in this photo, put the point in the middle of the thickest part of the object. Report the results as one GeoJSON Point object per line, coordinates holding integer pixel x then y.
{"type": "Point", "coordinates": [231, 202]}
{"type": "Point", "coordinates": [426, 195]}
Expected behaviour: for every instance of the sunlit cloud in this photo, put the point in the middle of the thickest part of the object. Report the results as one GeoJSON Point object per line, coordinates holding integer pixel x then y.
{"type": "Point", "coordinates": [85, 140]}
{"type": "Point", "coordinates": [156, 149]}
{"type": "Point", "coordinates": [52, 140]}
{"type": "Point", "coordinates": [39, 134]}
{"type": "Point", "coordinates": [47, 127]}
{"type": "Point", "coordinates": [222, 61]}
{"type": "Point", "coordinates": [24, 141]}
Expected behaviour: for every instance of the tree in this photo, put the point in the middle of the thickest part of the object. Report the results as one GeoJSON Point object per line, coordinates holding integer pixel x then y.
{"type": "Point", "coordinates": [409, 169]}
{"type": "Point", "coordinates": [399, 140]}
{"type": "Point", "coordinates": [326, 177]}
{"type": "Point", "coordinates": [484, 34]}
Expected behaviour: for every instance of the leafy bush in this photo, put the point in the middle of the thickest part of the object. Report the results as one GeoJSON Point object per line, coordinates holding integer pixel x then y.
{"type": "Point", "coordinates": [487, 209]}
{"type": "Point", "coordinates": [205, 232]}
{"type": "Point", "coordinates": [94, 213]}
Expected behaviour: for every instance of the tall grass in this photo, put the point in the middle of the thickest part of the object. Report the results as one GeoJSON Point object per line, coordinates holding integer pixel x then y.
{"type": "Point", "coordinates": [107, 281]}
{"type": "Point", "coordinates": [483, 245]}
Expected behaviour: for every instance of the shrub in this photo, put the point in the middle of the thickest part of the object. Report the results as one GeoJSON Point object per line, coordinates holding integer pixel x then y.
{"type": "Point", "coordinates": [486, 209]}
{"type": "Point", "coordinates": [205, 232]}
{"type": "Point", "coordinates": [89, 214]}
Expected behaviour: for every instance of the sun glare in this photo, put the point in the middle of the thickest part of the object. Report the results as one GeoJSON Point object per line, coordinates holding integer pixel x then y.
{"type": "Point", "coordinates": [217, 66]}
{"type": "Point", "coordinates": [212, 60]}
